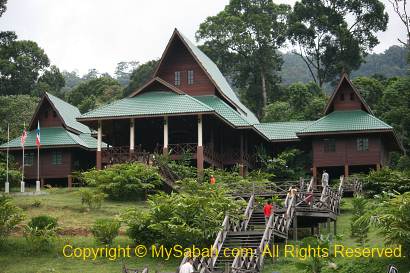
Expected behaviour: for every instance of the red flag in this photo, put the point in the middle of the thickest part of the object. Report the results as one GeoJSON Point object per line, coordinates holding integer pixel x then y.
{"type": "Point", "coordinates": [38, 134]}
{"type": "Point", "coordinates": [23, 137]}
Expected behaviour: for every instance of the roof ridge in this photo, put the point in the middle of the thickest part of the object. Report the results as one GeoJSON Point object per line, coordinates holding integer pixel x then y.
{"type": "Point", "coordinates": [200, 102]}
{"type": "Point", "coordinates": [105, 106]}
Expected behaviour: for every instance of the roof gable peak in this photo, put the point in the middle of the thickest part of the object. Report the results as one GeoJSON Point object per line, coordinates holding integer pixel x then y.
{"type": "Point", "coordinates": [152, 82]}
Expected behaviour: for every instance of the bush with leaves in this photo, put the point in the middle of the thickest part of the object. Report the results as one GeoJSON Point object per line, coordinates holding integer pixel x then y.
{"type": "Point", "coordinates": [41, 233]}
{"type": "Point", "coordinates": [192, 217]}
{"type": "Point", "coordinates": [313, 263]}
{"type": "Point", "coordinates": [386, 180]}
{"type": "Point", "coordinates": [10, 216]}
{"type": "Point", "coordinates": [359, 229]}
{"type": "Point", "coordinates": [131, 181]}
{"type": "Point", "coordinates": [105, 230]}
{"type": "Point", "coordinates": [14, 175]}
{"type": "Point", "coordinates": [91, 198]}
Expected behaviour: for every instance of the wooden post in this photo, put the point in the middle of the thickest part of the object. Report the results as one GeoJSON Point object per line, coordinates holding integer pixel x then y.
{"type": "Point", "coordinates": [314, 174]}
{"type": "Point", "coordinates": [42, 182]}
{"type": "Point", "coordinates": [165, 146]}
{"type": "Point", "coordinates": [70, 181]}
{"type": "Point", "coordinates": [378, 167]}
{"type": "Point", "coordinates": [346, 170]}
{"type": "Point", "coordinates": [295, 228]}
{"type": "Point", "coordinates": [99, 145]}
{"type": "Point", "coordinates": [335, 227]}
{"type": "Point", "coordinates": [328, 225]}
{"type": "Point", "coordinates": [132, 137]}
{"type": "Point", "coordinates": [312, 231]}
{"type": "Point", "coordinates": [200, 149]}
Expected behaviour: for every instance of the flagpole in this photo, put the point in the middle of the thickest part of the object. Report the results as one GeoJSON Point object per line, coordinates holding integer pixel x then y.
{"type": "Point", "coordinates": [8, 140]}
{"type": "Point", "coordinates": [22, 168]}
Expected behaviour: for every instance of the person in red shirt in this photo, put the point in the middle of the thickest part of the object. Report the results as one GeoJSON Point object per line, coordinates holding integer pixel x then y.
{"type": "Point", "coordinates": [212, 180]}
{"type": "Point", "coordinates": [267, 210]}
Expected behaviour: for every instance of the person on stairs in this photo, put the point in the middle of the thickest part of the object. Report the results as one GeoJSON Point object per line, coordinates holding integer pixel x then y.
{"type": "Point", "coordinates": [187, 267]}
{"type": "Point", "coordinates": [325, 179]}
{"type": "Point", "coordinates": [267, 210]}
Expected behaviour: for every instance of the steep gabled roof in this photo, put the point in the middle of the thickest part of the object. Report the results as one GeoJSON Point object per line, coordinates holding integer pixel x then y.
{"type": "Point", "coordinates": [155, 81]}
{"type": "Point", "coordinates": [213, 73]}
{"type": "Point", "coordinates": [67, 113]}
{"type": "Point", "coordinates": [345, 79]}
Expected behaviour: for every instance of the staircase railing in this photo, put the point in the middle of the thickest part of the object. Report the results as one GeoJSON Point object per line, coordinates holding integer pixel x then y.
{"type": "Point", "coordinates": [331, 199]}
{"type": "Point", "coordinates": [248, 214]}
{"type": "Point", "coordinates": [276, 223]}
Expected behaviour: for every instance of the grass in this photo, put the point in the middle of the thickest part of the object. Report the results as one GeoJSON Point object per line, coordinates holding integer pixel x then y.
{"type": "Point", "coordinates": [75, 220]}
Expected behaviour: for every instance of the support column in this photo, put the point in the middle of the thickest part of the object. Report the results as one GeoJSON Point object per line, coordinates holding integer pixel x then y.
{"type": "Point", "coordinates": [42, 182]}
{"type": "Point", "coordinates": [378, 167]}
{"type": "Point", "coordinates": [165, 146]}
{"type": "Point", "coordinates": [99, 144]}
{"type": "Point", "coordinates": [346, 170]}
{"type": "Point", "coordinates": [241, 157]}
{"type": "Point", "coordinates": [335, 227]}
{"type": "Point", "coordinates": [295, 228]}
{"type": "Point", "coordinates": [200, 149]}
{"type": "Point", "coordinates": [70, 181]}
{"type": "Point", "coordinates": [314, 174]}
{"type": "Point", "coordinates": [328, 225]}
{"type": "Point", "coordinates": [132, 137]}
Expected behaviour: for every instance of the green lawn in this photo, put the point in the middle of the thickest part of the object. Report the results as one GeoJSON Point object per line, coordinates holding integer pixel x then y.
{"type": "Point", "coordinates": [75, 222]}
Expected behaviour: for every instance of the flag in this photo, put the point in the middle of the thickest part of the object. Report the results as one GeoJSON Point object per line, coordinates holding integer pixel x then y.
{"type": "Point", "coordinates": [38, 134]}
{"type": "Point", "coordinates": [23, 137]}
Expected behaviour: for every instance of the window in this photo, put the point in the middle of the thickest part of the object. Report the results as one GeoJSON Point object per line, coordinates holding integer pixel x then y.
{"type": "Point", "coordinates": [57, 158]}
{"type": "Point", "coordinates": [54, 114]}
{"type": "Point", "coordinates": [342, 97]}
{"type": "Point", "coordinates": [46, 114]}
{"type": "Point", "coordinates": [351, 96]}
{"type": "Point", "coordinates": [362, 144]}
{"type": "Point", "coordinates": [329, 145]}
{"type": "Point", "coordinates": [190, 77]}
{"type": "Point", "coordinates": [28, 159]}
{"type": "Point", "coordinates": [177, 77]}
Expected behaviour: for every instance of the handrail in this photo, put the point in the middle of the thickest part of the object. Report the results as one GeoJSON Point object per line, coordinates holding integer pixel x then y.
{"type": "Point", "coordinates": [248, 213]}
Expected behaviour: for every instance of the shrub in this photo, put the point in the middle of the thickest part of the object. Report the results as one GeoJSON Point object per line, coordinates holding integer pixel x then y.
{"type": "Point", "coordinates": [92, 199]}
{"type": "Point", "coordinates": [359, 229]}
{"type": "Point", "coordinates": [186, 218]}
{"type": "Point", "coordinates": [40, 233]}
{"type": "Point", "coordinates": [14, 174]}
{"type": "Point", "coordinates": [105, 230]}
{"type": "Point", "coordinates": [386, 179]}
{"type": "Point", "coordinates": [131, 181]}
{"type": "Point", "coordinates": [10, 216]}
{"type": "Point", "coordinates": [43, 222]}
{"type": "Point", "coordinates": [36, 204]}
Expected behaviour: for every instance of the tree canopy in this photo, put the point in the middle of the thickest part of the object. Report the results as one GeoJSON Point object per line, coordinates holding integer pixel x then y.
{"type": "Point", "coordinates": [140, 75]}
{"type": "Point", "coordinates": [332, 36]}
{"type": "Point", "coordinates": [243, 40]}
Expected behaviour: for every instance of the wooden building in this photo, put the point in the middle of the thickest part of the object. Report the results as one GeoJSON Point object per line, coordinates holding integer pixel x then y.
{"type": "Point", "coordinates": [66, 145]}
{"type": "Point", "coordinates": [189, 107]}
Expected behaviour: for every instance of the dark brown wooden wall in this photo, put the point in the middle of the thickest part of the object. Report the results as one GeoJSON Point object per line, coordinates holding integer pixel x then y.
{"type": "Point", "coordinates": [346, 152]}
{"type": "Point", "coordinates": [51, 120]}
{"type": "Point", "coordinates": [178, 58]}
{"type": "Point", "coordinates": [347, 103]}
{"type": "Point", "coordinates": [47, 170]}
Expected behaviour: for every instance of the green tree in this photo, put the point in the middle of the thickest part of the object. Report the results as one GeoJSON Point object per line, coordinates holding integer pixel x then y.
{"type": "Point", "coordinates": [371, 89]}
{"type": "Point", "coordinates": [359, 229]}
{"type": "Point", "coordinates": [244, 40]}
{"type": "Point", "coordinates": [124, 70]}
{"type": "Point", "coordinates": [95, 92]}
{"type": "Point", "coordinates": [2, 6]}
{"type": "Point", "coordinates": [140, 75]}
{"type": "Point", "coordinates": [20, 64]}
{"type": "Point", "coordinates": [332, 36]}
{"type": "Point", "coordinates": [52, 81]}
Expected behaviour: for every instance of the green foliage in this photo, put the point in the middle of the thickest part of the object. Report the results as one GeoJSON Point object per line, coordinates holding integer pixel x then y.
{"type": "Point", "coordinates": [40, 233]}
{"type": "Point", "coordinates": [327, 42]}
{"type": "Point", "coordinates": [14, 175]}
{"type": "Point", "coordinates": [131, 181]}
{"type": "Point", "coordinates": [43, 222]}
{"type": "Point", "coordinates": [105, 230]}
{"type": "Point", "coordinates": [297, 102]}
{"type": "Point", "coordinates": [359, 229]}
{"type": "Point", "coordinates": [91, 198]}
{"type": "Point", "coordinates": [10, 216]}
{"type": "Point", "coordinates": [3, 6]}
{"type": "Point", "coordinates": [140, 75]}
{"type": "Point", "coordinates": [371, 89]}
{"type": "Point", "coordinates": [21, 63]}
{"type": "Point", "coordinates": [186, 218]}
{"type": "Point", "coordinates": [94, 92]}
{"type": "Point", "coordinates": [124, 70]}
{"type": "Point", "coordinates": [52, 81]}
{"type": "Point", "coordinates": [15, 111]}
{"type": "Point", "coordinates": [386, 180]}
{"type": "Point", "coordinates": [243, 40]}
{"type": "Point", "coordinates": [313, 263]}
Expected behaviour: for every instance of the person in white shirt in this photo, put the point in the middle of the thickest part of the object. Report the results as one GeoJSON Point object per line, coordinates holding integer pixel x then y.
{"type": "Point", "coordinates": [187, 267]}
{"type": "Point", "coordinates": [325, 179]}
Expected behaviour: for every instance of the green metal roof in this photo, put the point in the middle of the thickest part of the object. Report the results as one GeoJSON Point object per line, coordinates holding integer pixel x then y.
{"type": "Point", "coordinates": [282, 130]}
{"type": "Point", "coordinates": [219, 80]}
{"type": "Point", "coordinates": [148, 104]}
{"type": "Point", "coordinates": [54, 136]}
{"type": "Point", "coordinates": [68, 113]}
{"type": "Point", "coordinates": [337, 121]}
{"type": "Point", "coordinates": [224, 110]}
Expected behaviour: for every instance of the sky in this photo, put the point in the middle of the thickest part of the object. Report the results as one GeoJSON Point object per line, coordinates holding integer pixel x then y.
{"type": "Point", "coordinates": [83, 34]}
